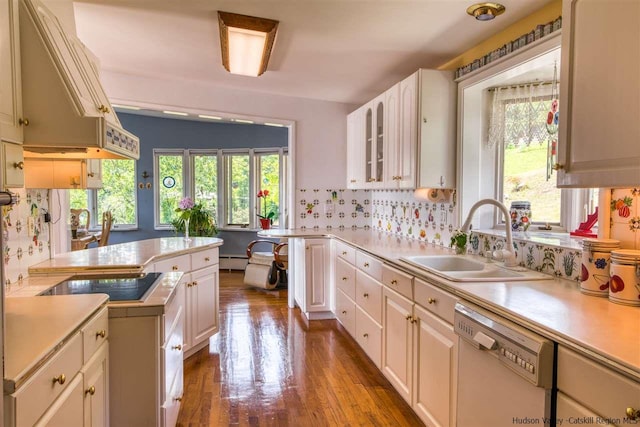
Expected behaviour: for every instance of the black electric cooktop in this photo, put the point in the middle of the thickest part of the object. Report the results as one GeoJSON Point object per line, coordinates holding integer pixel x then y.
{"type": "Point", "coordinates": [118, 288]}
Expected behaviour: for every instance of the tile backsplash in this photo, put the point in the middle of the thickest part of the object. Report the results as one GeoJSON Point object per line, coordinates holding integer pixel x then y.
{"type": "Point", "coordinates": [625, 217]}
{"type": "Point", "coordinates": [333, 208]}
{"type": "Point", "coordinates": [25, 235]}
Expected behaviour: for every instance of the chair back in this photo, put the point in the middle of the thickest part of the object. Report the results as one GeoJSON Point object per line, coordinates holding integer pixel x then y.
{"type": "Point", "coordinates": [107, 221]}
{"type": "Point", "coordinates": [75, 219]}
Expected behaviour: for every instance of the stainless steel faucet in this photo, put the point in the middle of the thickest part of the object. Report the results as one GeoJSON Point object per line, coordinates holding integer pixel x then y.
{"type": "Point", "coordinates": [507, 254]}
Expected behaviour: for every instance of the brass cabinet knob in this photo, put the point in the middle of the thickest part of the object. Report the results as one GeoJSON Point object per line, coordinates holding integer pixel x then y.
{"type": "Point", "coordinates": [91, 174]}
{"type": "Point", "coordinates": [23, 122]}
{"type": "Point", "coordinates": [91, 390]}
{"type": "Point", "coordinates": [366, 265]}
{"type": "Point", "coordinates": [178, 399]}
{"type": "Point", "coordinates": [366, 295]}
{"type": "Point", "coordinates": [194, 283]}
{"type": "Point", "coordinates": [104, 109]}
{"type": "Point", "coordinates": [431, 300]}
{"type": "Point", "coordinates": [344, 252]}
{"type": "Point", "coordinates": [18, 165]}
{"type": "Point", "coordinates": [190, 284]}
{"type": "Point", "coordinates": [207, 259]}
{"type": "Point", "coordinates": [344, 279]}
{"type": "Point", "coordinates": [394, 282]}
{"type": "Point", "coordinates": [365, 335]}
{"type": "Point", "coordinates": [557, 166]}
{"type": "Point", "coordinates": [177, 347]}
{"type": "Point", "coordinates": [101, 334]}
{"type": "Point", "coordinates": [353, 181]}
{"type": "Point", "coordinates": [344, 311]}
{"type": "Point", "coordinates": [408, 317]}
{"type": "Point", "coordinates": [633, 414]}
{"type": "Point", "coordinates": [60, 379]}
{"type": "Point", "coordinates": [174, 268]}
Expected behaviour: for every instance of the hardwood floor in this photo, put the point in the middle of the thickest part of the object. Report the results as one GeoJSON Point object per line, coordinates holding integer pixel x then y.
{"type": "Point", "coordinates": [268, 367]}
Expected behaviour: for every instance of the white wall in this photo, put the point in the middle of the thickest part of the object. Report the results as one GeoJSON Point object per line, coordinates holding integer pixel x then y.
{"type": "Point", "coordinates": [320, 127]}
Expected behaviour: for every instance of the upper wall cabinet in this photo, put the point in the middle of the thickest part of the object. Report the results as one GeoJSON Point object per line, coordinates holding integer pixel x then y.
{"type": "Point", "coordinates": [600, 94]}
{"type": "Point", "coordinates": [11, 119]}
{"type": "Point", "coordinates": [405, 137]}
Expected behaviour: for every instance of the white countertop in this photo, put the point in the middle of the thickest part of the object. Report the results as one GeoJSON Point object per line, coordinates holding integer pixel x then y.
{"type": "Point", "coordinates": [124, 257]}
{"type": "Point", "coordinates": [35, 327]}
{"type": "Point", "coordinates": [554, 308]}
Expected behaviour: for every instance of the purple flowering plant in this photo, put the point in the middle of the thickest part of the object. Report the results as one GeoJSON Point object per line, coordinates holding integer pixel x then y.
{"type": "Point", "coordinates": [200, 220]}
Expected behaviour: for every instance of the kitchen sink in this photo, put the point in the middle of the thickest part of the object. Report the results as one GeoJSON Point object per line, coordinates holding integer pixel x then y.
{"type": "Point", "coordinates": [470, 268]}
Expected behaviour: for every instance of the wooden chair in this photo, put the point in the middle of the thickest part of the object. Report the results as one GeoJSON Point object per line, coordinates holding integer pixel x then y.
{"type": "Point", "coordinates": [107, 221]}
{"type": "Point", "coordinates": [75, 219]}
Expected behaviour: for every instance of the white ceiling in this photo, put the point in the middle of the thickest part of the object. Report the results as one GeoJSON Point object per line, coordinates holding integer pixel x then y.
{"type": "Point", "coordinates": [335, 50]}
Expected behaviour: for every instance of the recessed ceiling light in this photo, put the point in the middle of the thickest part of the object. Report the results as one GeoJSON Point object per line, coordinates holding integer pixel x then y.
{"type": "Point", "coordinates": [278, 125]}
{"type": "Point", "coordinates": [125, 107]}
{"type": "Point", "coordinates": [204, 116]}
{"type": "Point", "coordinates": [242, 121]}
{"type": "Point", "coordinates": [175, 113]}
{"type": "Point", "coordinates": [485, 11]}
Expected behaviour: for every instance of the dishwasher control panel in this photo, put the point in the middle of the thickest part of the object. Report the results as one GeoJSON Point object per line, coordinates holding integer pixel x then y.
{"type": "Point", "coordinates": [524, 352]}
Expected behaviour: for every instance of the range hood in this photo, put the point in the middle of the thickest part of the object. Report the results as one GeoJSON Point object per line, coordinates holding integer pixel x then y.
{"type": "Point", "coordinates": [67, 113]}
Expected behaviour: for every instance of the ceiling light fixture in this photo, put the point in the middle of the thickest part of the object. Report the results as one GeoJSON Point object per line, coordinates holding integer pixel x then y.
{"type": "Point", "coordinates": [243, 121]}
{"type": "Point", "coordinates": [204, 116]}
{"type": "Point", "coordinates": [485, 11]}
{"type": "Point", "coordinates": [175, 113]}
{"type": "Point", "coordinates": [246, 43]}
{"type": "Point", "coordinates": [125, 107]}
{"type": "Point", "coordinates": [277, 125]}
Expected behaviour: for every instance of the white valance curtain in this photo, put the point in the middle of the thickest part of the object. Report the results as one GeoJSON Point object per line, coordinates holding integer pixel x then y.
{"type": "Point", "coordinates": [518, 115]}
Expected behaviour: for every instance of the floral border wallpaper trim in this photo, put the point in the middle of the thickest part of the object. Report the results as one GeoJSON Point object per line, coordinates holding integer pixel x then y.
{"type": "Point", "coordinates": [25, 235]}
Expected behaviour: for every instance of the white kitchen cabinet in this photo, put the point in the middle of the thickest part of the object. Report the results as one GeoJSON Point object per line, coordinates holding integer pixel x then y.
{"type": "Point", "coordinates": [49, 173]}
{"type": "Point", "coordinates": [355, 149]}
{"type": "Point", "coordinates": [201, 289]}
{"type": "Point", "coordinates": [588, 387]}
{"type": "Point", "coordinates": [13, 165]}
{"type": "Point", "coordinates": [11, 120]}
{"type": "Point", "coordinates": [397, 342]}
{"type": "Point", "coordinates": [313, 271]}
{"type": "Point", "coordinates": [599, 128]}
{"type": "Point", "coordinates": [409, 135]}
{"type": "Point", "coordinates": [55, 395]}
{"type": "Point", "coordinates": [94, 173]}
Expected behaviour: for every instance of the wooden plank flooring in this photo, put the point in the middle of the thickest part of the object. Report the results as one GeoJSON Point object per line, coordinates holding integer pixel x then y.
{"type": "Point", "coordinates": [268, 367]}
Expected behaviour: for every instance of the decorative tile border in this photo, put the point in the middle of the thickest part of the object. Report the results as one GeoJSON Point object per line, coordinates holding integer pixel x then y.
{"type": "Point", "coordinates": [332, 208]}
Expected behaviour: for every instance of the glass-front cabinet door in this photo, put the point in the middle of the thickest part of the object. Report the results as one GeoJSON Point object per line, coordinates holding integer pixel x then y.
{"type": "Point", "coordinates": [369, 141]}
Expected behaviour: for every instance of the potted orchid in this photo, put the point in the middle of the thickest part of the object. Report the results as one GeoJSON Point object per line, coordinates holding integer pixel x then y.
{"type": "Point", "coordinates": [194, 219]}
{"type": "Point", "coordinates": [270, 210]}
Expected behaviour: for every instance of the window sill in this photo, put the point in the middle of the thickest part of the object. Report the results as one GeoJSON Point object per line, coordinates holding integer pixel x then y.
{"type": "Point", "coordinates": [547, 238]}
{"type": "Point", "coordinates": [245, 229]}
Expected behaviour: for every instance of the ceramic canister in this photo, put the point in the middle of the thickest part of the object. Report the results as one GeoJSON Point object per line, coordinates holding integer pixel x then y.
{"type": "Point", "coordinates": [520, 215]}
{"type": "Point", "coordinates": [625, 277]}
{"type": "Point", "coordinates": [596, 254]}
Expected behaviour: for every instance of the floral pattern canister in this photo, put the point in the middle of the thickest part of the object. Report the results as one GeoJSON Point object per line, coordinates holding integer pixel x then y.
{"type": "Point", "coordinates": [520, 216]}
{"type": "Point", "coordinates": [625, 277]}
{"type": "Point", "coordinates": [596, 261]}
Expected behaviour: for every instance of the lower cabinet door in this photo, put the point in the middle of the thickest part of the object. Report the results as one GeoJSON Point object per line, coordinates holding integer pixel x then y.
{"type": "Point", "coordinates": [397, 342]}
{"type": "Point", "coordinates": [171, 406]}
{"type": "Point", "coordinates": [346, 312]}
{"type": "Point", "coordinates": [67, 409]}
{"type": "Point", "coordinates": [96, 389]}
{"type": "Point", "coordinates": [435, 361]}
{"type": "Point", "coordinates": [369, 335]}
{"type": "Point", "coordinates": [202, 305]}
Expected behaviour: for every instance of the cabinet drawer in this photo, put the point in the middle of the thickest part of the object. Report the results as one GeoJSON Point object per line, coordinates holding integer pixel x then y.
{"type": "Point", "coordinates": [204, 259]}
{"type": "Point", "coordinates": [595, 386]}
{"type": "Point", "coordinates": [369, 264]}
{"type": "Point", "coordinates": [398, 281]}
{"type": "Point", "coordinates": [171, 406]}
{"type": "Point", "coordinates": [94, 333]}
{"type": "Point", "coordinates": [346, 252]}
{"type": "Point", "coordinates": [369, 295]}
{"type": "Point", "coordinates": [39, 392]}
{"type": "Point", "coordinates": [346, 312]}
{"type": "Point", "coordinates": [173, 308]}
{"type": "Point", "coordinates": [173, 353]}
{"type": "Point", "coordinates": [346, 277]}
{"type": "Point", "coordinates": [369, 336]}
{"type": "Point", "coordinates": [434, 300]}
{"type": "Point", "coordinates": [178, 263]}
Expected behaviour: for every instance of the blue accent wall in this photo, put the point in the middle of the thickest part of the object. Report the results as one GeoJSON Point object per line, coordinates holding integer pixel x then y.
{"type": "Point", "coordinates": [158, 132]}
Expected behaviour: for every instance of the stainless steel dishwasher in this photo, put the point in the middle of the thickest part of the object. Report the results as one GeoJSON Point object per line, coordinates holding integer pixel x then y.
{"type": "Point", "coordinates": [505, 372]}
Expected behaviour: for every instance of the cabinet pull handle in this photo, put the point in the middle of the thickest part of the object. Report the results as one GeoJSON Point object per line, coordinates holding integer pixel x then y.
{"type": "Point", "coordinates": [194, 283]}
{"type": "Point", "coordinates": [344, 279]}
{"type": "Point", "coordinates": [394, 282]}
{"type": "Point", "coordinates": [91, 174]}
{"type": "Point", "coordinates": [414, 320]}
{"type": "Point", "coordinates": [177, 347]}
{"type": "Point", "coordinates": [174, 268]}
{"type": "Point", "coordinates": [366, 295]}
{"type": "Point", "coordinates": [178, 399]}
{"type": "Point", "coordinates": [207, 259]}
{"type": "Point", "coordinates": [190, 284]}
{"type": "Point", "coordinates": [344, 311]}
{"type": "Point", "coordinates": [101, 334]}
{"type": "Point", "coordinates": [344, 252]}
{"type": "Point", "coordinates": [366, 335]}
{"type": "Point", "coordinates": [431, 300]}
{"type": "Point", "coordinates": [633, 414]}
{"type": "Point", "coordinates": [408, 317]}
{"type": "Point", "coordinates": [60, 379]}
{"type": "Point", "coordinates": [91, 390]}
{"type": "Point", "coordinates": [23, 122]}
{"type": "Point", "coordinates": [366, 265]}
{"type": "Point", "coordinates": [18, 165]}
{"type": "Point", "coordinates": [104, 109]}
{"type": "Point", "coordinates": [557, 166]}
